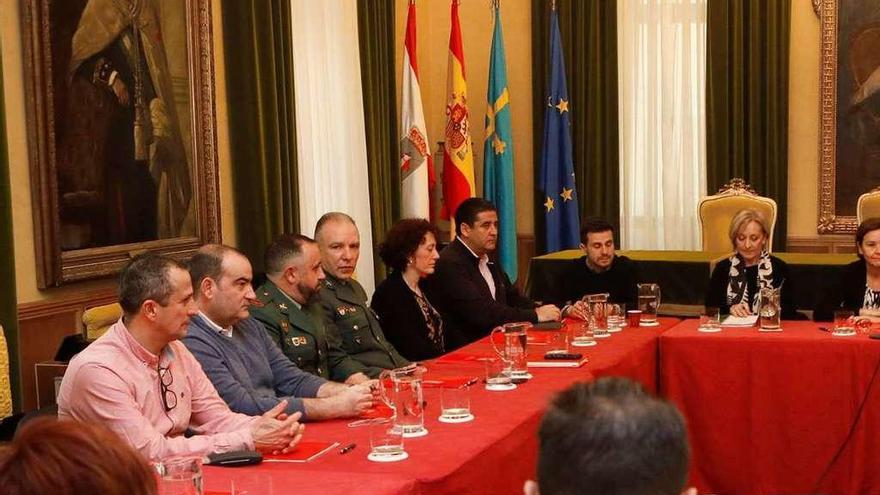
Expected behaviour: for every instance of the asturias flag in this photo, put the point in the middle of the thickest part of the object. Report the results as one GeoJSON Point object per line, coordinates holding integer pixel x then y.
{"type": "Point", "coordinates": [498, 152]}
{"type": "Point", "coordinates": [557, 171]}
{"type": "Point", "coordinates": [416, 162]}
{"type": "Point", "coordinates": [458, 155]}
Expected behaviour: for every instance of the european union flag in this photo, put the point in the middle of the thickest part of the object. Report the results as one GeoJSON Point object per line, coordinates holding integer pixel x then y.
{"type": "Point", "coordinates": [557, 171]}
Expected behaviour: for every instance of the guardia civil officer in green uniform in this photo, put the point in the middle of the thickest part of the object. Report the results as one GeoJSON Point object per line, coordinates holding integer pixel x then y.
{"type": "Point", "coordinates": [344, 300]}
{"type": "Point", "coordinates": [287, 308]}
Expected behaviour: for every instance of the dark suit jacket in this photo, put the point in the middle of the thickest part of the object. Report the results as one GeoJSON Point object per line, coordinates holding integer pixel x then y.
{"type": "Point", "coordinates": [459, 292]}
{"type": "Point", "coordinates": [847, 292]}
{"type": "Point", "coordinates": [402, 319]}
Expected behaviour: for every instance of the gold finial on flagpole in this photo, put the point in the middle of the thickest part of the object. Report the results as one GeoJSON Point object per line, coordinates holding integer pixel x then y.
{"type": "Point", "coordinates": [552, 4]}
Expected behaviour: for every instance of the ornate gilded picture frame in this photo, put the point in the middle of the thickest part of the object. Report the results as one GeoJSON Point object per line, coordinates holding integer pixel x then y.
{"type": "Point", "coordinates": [849, 147]}
{"type": "Point", "coordinates": [121, 132]}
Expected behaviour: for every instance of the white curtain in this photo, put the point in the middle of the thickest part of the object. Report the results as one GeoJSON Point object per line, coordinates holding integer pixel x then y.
{"type": "Point", "coordinates": [331, 143]}
{"type": "Point", "coordinates": [662, 81]}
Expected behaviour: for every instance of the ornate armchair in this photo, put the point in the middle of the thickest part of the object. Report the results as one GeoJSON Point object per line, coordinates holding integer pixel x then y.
{"type": "Point", "coordinates": [96, 320]}
{"type": "Point", "coordinates": [716, 212]}
{"type": "Point", "coordinates": [5, 387]}
{"type": "Point", "coordinates": [868, 205]}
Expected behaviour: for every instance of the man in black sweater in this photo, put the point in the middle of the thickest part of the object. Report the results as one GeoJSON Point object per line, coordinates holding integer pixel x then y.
{"type": "Point", "coordinates": [599, 270]}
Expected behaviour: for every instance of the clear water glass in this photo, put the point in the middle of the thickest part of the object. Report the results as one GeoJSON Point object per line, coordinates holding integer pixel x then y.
{"type": "Point", "coordinates": [179, 476]}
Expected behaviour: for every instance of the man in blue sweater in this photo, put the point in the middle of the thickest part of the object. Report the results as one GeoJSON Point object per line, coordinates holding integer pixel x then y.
{"type": "Point", "coordinates": [248, 370]}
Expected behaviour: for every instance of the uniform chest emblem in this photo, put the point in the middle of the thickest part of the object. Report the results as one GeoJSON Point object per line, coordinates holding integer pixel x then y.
{"type": "Point", "coordinates": [284, 326]}
{"type": "Point", "coordinates": [298, 341]}
{"type": "Point", "coordinates": [282, 306]}
{"type": "Point", "coordinates": [344, 310]}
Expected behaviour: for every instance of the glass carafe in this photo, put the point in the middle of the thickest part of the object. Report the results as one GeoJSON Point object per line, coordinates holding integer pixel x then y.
{"type": "Point", "coordinates": [769, 308]}
{"type": "Point", "coordinates": [401, 390]}
{"type": "Point", "coordinates": [513, 349]}
{"type": "Point", "coordinates": [649, 301]}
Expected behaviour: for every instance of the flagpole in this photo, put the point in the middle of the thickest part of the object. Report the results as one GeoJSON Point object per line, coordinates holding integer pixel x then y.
{"type": "Point", "coordinates": [552, 4]}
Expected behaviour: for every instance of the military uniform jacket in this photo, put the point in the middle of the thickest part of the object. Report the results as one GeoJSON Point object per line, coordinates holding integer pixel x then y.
{"type": "Point", "coordinates": [301, 335]}
{"type": "Point", "coordinates": [356, 326]}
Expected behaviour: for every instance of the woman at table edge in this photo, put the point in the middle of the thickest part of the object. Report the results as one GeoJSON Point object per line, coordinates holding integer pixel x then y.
{"type": "Point", "coordinates": [858, 286]}
{"type": "Point", "coordinates": [408, 319]}
{"type": "Point", "coordinates": [736, 281]}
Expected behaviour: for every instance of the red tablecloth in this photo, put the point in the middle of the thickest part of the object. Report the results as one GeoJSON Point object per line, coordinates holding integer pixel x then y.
{"type": "Point", "coordinates": [766, 412]}
{"type": "Point", "coordinates": [495, 453]}
{"type": "Point", "coordinates": [632, 353]}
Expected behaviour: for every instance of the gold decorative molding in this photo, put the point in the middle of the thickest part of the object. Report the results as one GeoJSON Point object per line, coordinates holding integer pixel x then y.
{"type": "Point", "coordinates": [737, 187]}
{"type": "Point", "coordinates": [829, 221]}
{"type": "Point", "coordinates": [817, 7]}
{"type": "Point", "coordinates": [55, 265]}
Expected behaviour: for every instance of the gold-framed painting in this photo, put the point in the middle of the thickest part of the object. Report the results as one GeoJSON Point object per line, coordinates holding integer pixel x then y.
{"type": "Point", "coordinates": [849, 147]}
{"type": "Point", "coordinates": [121, 132]}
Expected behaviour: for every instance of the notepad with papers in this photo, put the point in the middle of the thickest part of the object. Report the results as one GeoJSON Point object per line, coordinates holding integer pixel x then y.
{"type": "Point", "coordinates": [740, 321]}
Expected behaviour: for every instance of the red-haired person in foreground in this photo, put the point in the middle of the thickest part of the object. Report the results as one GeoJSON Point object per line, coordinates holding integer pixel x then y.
{"type": "Point", "coordinates": [68, 458]}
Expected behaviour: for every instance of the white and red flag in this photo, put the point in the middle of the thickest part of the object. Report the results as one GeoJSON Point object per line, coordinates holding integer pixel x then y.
{"type": "Point", "coordinates": [416, 162]}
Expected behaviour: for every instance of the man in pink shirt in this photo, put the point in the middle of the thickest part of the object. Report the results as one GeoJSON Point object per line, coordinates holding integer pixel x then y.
{"type": "Point", "coordinates": [142, 382]}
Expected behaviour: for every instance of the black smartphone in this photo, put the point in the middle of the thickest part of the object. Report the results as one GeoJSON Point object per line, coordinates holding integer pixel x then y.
{"type": "Point", "coordinates": [237, 458]}
{"type": "Point", "coordinates": [874, 336]}
{"type": "Point", "coordinates": [548, 325]}
{"type": "Point", "coordinates": [565, 356]}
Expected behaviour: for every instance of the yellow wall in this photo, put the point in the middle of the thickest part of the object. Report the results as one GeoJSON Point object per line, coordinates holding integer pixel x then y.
{"type": "Point", "coordinates": [803, 121]}
{"type": "Point", "coordinates": [16, 117]}
{"type": "Point", "coordinates": [476, 27]}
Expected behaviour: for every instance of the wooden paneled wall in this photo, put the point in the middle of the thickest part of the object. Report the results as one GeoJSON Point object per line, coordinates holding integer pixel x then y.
{"type": "Point", "coordinates": [525, 250]}
{"type": "Point", "coordinates": [42, 325]}
{"type": "Point", "coordinates": [832, 244]}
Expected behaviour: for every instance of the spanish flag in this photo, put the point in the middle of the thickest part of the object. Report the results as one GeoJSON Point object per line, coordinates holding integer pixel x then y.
{"type": "Point", "coordinates": [458, 155]}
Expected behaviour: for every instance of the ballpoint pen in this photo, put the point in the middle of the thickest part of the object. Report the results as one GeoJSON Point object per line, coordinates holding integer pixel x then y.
{"type": "Point", "coordinates": [348, 448]}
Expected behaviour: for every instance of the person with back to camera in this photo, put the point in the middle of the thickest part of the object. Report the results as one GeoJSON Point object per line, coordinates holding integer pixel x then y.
{"type": "Point", "coordinates": [736, 281]}
{"type": "Point", "coordinates": [72, 458]}
{"type": "Point", "coordinates": [611, 438]}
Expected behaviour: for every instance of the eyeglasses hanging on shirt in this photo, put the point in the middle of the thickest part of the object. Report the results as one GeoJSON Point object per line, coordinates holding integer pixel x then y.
{"type": "Point", "coordinates": [169, 398]}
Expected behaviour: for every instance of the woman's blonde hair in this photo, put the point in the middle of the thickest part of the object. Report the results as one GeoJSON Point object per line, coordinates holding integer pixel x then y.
{"type": "Point", "coordinates": [743, 218]}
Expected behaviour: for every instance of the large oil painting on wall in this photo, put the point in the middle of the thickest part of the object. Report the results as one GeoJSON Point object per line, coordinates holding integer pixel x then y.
{"type": "Point", "coordinates": [849, 109]}
{"type": "Point", "coordinates": [121, 130]}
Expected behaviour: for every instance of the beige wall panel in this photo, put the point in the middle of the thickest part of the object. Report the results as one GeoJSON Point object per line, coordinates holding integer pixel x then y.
{"type": "Point", "coordinates": [803, 121]}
